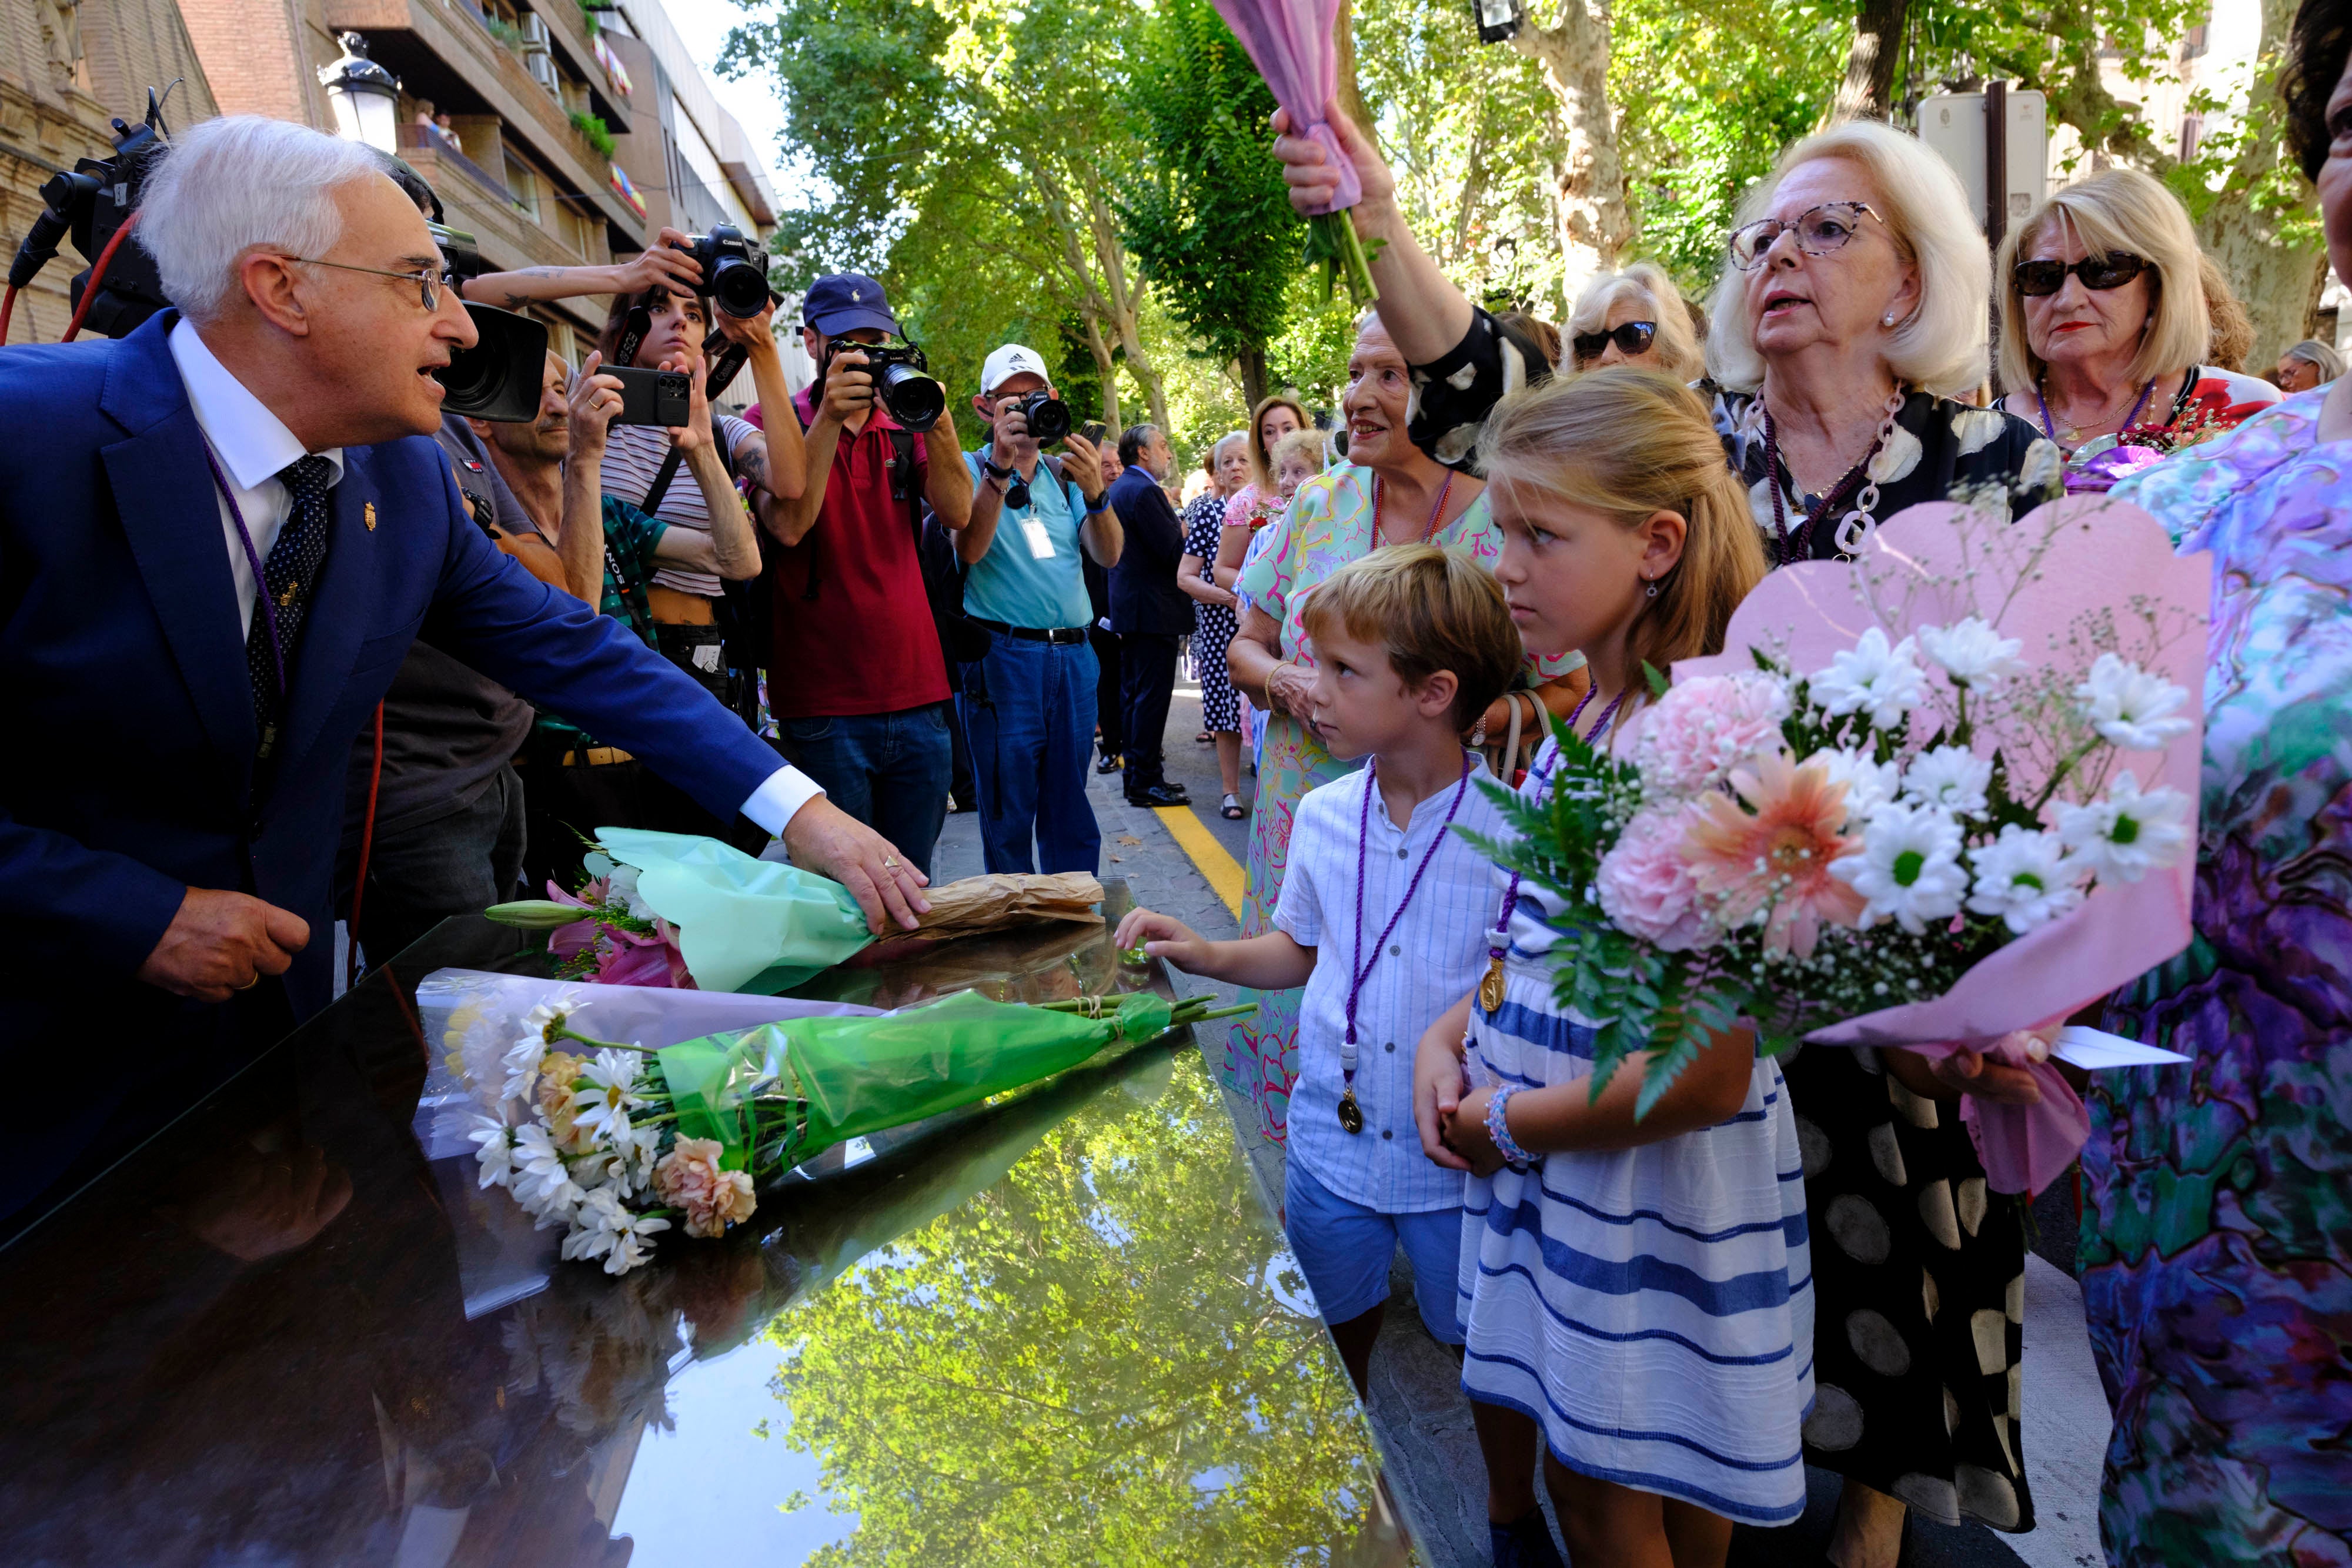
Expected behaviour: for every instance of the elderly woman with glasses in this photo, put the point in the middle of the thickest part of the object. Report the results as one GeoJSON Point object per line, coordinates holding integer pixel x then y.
{"type": "Point", "coordinates": [2103, 320]}
{"type": "Point", "coordinates": [1851, 319]}
{"type": "Point", "coordinates": [1634, 318]}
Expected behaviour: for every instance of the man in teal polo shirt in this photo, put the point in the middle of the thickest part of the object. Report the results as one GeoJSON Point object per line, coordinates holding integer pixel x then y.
{"type": "Point", "coordinates": [1028, 706]}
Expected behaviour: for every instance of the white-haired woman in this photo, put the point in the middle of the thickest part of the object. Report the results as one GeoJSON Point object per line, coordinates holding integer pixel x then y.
{"type": "Point", "coordinates": [1634, 318]}
{"type": "Point", "coordinates": [1851, 315]}
{"type": "Point", "coordinates": [2103, 322]}
{"type": "Point", "coordinates": [1227, 466]}
{"type": "Point", "coordinates": [2310, 363]}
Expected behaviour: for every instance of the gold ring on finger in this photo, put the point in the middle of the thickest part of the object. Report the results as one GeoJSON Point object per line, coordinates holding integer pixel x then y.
{"type": "Point", "coordinates": [251, 983]}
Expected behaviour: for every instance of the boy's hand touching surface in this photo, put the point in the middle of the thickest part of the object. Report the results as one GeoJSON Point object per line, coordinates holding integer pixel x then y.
{"type": "Point", "coordinates": [1164, 937]}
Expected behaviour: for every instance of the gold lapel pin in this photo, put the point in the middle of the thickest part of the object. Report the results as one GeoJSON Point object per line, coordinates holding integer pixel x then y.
{"type": "Point", "coordinates": [367, 516]}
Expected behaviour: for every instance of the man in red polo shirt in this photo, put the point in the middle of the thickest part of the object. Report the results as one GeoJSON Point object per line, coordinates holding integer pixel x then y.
{"type": "Point", "coordinates": [858, 687]}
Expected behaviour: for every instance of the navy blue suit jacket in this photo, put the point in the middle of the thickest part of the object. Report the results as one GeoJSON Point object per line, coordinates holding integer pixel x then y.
{"type": "Point", "coordinates": [126, 720]}
{"type": "Point", "coordinates": [1144, 597]}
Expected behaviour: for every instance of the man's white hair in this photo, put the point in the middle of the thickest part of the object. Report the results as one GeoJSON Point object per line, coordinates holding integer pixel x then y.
{"type": "Point", "coordinates": [1940, 348]}
{"type": "Point", "coordinates": [231, 184]}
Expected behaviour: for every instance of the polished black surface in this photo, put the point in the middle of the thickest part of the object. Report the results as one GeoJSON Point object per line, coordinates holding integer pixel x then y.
{"type": "Point", "coordinates": [1055, 1330]}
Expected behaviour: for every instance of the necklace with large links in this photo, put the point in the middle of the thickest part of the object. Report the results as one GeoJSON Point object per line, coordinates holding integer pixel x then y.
{"type": "Point", "coordinates": [1855, 526]}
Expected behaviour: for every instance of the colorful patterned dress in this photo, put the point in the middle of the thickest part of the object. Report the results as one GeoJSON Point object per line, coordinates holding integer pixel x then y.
{"type": "Point", "coordinates": [2217, 1220]}
{"type": "Point", "coordinates": [1328, 524]}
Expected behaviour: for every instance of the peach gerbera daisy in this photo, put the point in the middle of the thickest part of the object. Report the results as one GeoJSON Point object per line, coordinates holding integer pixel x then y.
{"type": "Point", "coordinates": [1776, 854]}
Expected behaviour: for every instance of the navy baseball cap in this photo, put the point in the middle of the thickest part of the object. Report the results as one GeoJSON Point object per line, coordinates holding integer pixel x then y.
{"type": "Point", "coordinates": [844, 301]}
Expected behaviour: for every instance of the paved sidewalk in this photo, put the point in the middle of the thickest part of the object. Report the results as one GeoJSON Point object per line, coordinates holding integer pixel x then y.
{"type": "Point", "coordinates": [1416, 1404]}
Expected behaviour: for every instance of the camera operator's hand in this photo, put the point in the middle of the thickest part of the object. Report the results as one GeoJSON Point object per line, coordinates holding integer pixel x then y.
{"type": "Point", "coordinates": [848, 386]}
{"type": "Point", "coordinates": [756, 333]}
{"type": "Point", "coordinates": [219, 943]}
{"type": "Point", "coordinates": [657, 265]}
{"type": "Point", "coordinates": [594, 400]}
{"type": "Point", "coordinates": [1082, 466]}
{"type": "Point", "coordinates": [696, 433]}
{"type": "Point", "coordinates": [1009, 431]}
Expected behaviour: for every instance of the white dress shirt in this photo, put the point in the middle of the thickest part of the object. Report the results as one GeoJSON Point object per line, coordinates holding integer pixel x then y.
{"type": "Point", "coordinates": [252, 445]}
{"type": "Point", "coordinates": [1431, 961]}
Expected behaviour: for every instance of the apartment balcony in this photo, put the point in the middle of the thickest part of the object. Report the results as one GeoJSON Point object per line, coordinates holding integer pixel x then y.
{"type": "Point", "coordinates": [443, 51]}
{"type": "Point", "coordinates": [474, 200]}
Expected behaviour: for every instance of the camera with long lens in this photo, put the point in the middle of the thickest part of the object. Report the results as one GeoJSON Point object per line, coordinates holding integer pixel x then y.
{"type": "Point", "coordinates": [902, 381]}
{"type": "Point", "coordinates": [499, 378]}
{"type": "Point", "coordinates": [734, 270]}
{"type": "Point", "coordinates": [92, 203]}
{"type": "Point", "coordinates": [1048, 416]}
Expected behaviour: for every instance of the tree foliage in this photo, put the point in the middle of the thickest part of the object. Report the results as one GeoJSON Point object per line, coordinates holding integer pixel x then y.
{"type": "Point", "coordinates": [1206, 213]}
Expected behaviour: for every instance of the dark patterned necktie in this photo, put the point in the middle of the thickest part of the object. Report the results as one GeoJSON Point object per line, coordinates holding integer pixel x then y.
{"type": "Point", "coordinates": [289, 576]}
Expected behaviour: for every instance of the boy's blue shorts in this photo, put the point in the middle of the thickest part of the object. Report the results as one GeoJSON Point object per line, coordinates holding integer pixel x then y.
{"type": "Point", "coordinates": [1344, 1249]}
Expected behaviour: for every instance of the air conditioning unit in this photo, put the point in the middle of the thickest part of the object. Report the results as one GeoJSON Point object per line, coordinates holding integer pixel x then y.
{"type": "Point", "coordinates": [542, 71]}
{"type": "Point", "coordinates": [534, 30]}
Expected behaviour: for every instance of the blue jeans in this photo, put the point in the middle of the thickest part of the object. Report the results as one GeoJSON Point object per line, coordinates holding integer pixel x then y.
{"type": "Point", "coordinates": [1028, 709]}
{"type": "Point", "coordinates": [890, 770]}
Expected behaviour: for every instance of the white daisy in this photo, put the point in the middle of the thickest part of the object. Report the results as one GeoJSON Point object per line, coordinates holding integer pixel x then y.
{"type": "Point", "coordinates": [522, 1062]}
{"type": "Point", "coordinates": [1972, 653]}
{"type": "Point", "coordinates": [1868, 785]}
{"type": "Point", "coordinates": [1873, 679]}
{"type": "Point", "coordinates": [2025, 877]}
{"type": "Point", "coordinates": [1951, 777]}
{"type": "Point", "coordinates": [1909, 867]}
{"type": "Point", "coordinates": [543, 1183]}
{"type": "Point", "coordinates": [2129, 708]}
{"type": "Point", "coordinates": [494, 1142]}
{"type": "Point", "coordinates": [603, 1105]}
{"type": "Point", "coordinates": [2129, 833]}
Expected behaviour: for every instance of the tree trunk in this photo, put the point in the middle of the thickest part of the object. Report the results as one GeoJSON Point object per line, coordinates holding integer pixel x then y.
{"type": "Point", "coordinates": [1596, 227]}
{"type": "Point", "coordinates": [1125, 297]}
{"type": "Point", "coordinates": [1868, 90]}
{"type": "Point", "coordinates": [1107, 369]}
{"type": "Point", "coordinates": [2278, 283]}
{"type": "Point", "coordinates": [1250, 365]}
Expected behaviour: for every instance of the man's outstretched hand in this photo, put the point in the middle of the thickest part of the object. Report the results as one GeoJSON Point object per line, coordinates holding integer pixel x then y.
{"type": "Point", "coordinates": [824, 838]}
{"type": "Point", "coordinates": [221, 943]}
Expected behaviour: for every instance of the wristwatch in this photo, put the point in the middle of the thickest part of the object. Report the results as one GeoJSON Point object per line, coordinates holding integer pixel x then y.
{"type": "Point", "coordinates": [1096, 503]}
{"type": "Point", "coordinates": [993, 472]}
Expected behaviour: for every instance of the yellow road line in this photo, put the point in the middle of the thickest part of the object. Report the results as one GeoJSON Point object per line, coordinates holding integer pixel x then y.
{"type": "Point", "coordinates": [1207, 856]}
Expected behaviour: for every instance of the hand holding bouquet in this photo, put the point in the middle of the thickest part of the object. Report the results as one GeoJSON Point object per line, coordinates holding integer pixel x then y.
{"type": "Point", "coordinates": [1947, 798]}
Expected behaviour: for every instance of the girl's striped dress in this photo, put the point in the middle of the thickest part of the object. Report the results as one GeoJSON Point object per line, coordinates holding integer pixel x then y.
{"type": "Point", "coordinates": [1652, 1308]}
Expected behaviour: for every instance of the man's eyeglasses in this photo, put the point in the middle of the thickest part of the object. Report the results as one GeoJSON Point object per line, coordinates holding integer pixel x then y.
{"type": "Point", "coordinates": [429, 280]}
{"type": "Point", "coordinates": [1819, 231]}
{"type": "Point", "coordinates": [1632, 340]}
{"type": "Point", "coordinates": [2037, 278]}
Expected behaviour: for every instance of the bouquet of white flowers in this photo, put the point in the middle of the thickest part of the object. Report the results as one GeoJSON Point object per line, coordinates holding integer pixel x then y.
{"type": "Point", "coordinates": [1994, 758]}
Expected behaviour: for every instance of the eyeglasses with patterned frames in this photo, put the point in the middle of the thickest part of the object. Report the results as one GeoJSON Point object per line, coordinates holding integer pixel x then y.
{"type": "Point", "coordinates": [429, 280]}
{"type": "Point", "coordinates": [1819, 231]}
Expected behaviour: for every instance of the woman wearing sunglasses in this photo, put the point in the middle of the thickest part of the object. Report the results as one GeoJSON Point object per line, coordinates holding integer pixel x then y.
{"type": "Point", "coordinates": [1634, 318]}
{"type": "Point", "coordinates": [2103, 322]}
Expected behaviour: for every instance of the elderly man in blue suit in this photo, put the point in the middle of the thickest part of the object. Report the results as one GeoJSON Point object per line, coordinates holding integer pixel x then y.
{"type": "Point", "coordinates": [218, 536]}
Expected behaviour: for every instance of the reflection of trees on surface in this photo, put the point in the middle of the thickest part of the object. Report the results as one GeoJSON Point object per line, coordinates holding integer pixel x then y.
{"type": "Point", "coordinates": [1082, 1365]}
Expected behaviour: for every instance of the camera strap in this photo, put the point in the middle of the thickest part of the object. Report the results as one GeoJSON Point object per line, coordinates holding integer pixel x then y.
{"type": "Point", "coordinates": [669, 466]}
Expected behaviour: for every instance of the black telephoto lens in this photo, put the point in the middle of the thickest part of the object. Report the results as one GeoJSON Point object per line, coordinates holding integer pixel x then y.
{"type": "Point", "coordinates": [914, 398]}
{"type": "Point", "coordinates": [1048, 416]}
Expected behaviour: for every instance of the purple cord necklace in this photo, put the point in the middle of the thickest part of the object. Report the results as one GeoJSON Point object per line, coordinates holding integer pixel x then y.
{"type": "Point", "coordinates": [1351, 1115]}
{"type": "Point", "coordinates": [1499, 940]}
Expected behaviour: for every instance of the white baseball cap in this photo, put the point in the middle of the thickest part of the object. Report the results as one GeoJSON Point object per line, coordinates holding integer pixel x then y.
{"type": "Point", "coordinates": [1010, 360]}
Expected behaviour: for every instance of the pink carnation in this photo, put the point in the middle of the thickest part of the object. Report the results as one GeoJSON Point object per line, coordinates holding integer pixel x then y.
{"type": "Point", "coordinates": [1705, 726]}
{"type": "Point", "coordinates": [690, 1178]}
{"type": "Point", "coordinates": [1646, 885]}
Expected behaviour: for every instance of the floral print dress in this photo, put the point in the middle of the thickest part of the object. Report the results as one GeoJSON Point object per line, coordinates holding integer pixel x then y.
{"type": "Point", "coordinates": [2217, 1214]}
{"type": "Point", "coordinates": [1328, 524]}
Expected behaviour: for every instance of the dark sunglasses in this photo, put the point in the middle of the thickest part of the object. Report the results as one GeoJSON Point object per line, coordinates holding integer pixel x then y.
{"type": "Point", "coordinates": [2036, 278]}
{"type": "Point", "coordinates": [1632, 340]}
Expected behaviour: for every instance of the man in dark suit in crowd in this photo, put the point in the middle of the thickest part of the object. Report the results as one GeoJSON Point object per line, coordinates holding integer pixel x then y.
{"type": "Point", "coordinates": [1148, 611]}
{"type": "Point", "coordinates": [219, 537]}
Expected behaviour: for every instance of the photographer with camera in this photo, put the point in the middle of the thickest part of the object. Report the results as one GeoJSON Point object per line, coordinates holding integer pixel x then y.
{"type": "Point", "coordinates": [1028, 706]}
{"type": "Point", "coordinates": [219, 535]}
{"type": "Point", "coordinates": [859, 684]}
{"type": "Point", "coordinates": [672, 323]}
{"type": "Point", "coordinates": [1148, 611]}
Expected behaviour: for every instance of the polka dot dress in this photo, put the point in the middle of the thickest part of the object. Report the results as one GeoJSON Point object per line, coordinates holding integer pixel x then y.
{"type": "Point", "coordinates": [1919, 1283]}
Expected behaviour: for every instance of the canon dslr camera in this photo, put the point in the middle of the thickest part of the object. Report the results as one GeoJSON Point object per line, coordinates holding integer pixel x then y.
{"type": "Point", "coordinates": [1048, 416]}
{"type": "Point", "coordinates": [734, 270]}
{"type": "Point", "coordinates": [901, 379]}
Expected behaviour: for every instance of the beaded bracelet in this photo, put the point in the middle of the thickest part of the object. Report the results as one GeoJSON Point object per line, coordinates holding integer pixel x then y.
{"type": "Point", "coordinates": [1498, 1127]}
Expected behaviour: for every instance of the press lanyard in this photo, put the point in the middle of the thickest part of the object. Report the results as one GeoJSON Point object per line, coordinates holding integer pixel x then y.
{"type": "Point", "coordinates": [268, 611]}
{"type": "Point", "coordinates": [1351, 1115]}
{"type": "Point", "coordinates": [1499, 940]}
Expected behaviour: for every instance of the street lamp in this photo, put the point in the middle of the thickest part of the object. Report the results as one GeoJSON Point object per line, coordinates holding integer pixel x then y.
{"type": "Point", "coordinates": [365, 97]}
{"type": "Point", "coordinates": [1497, 19]}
